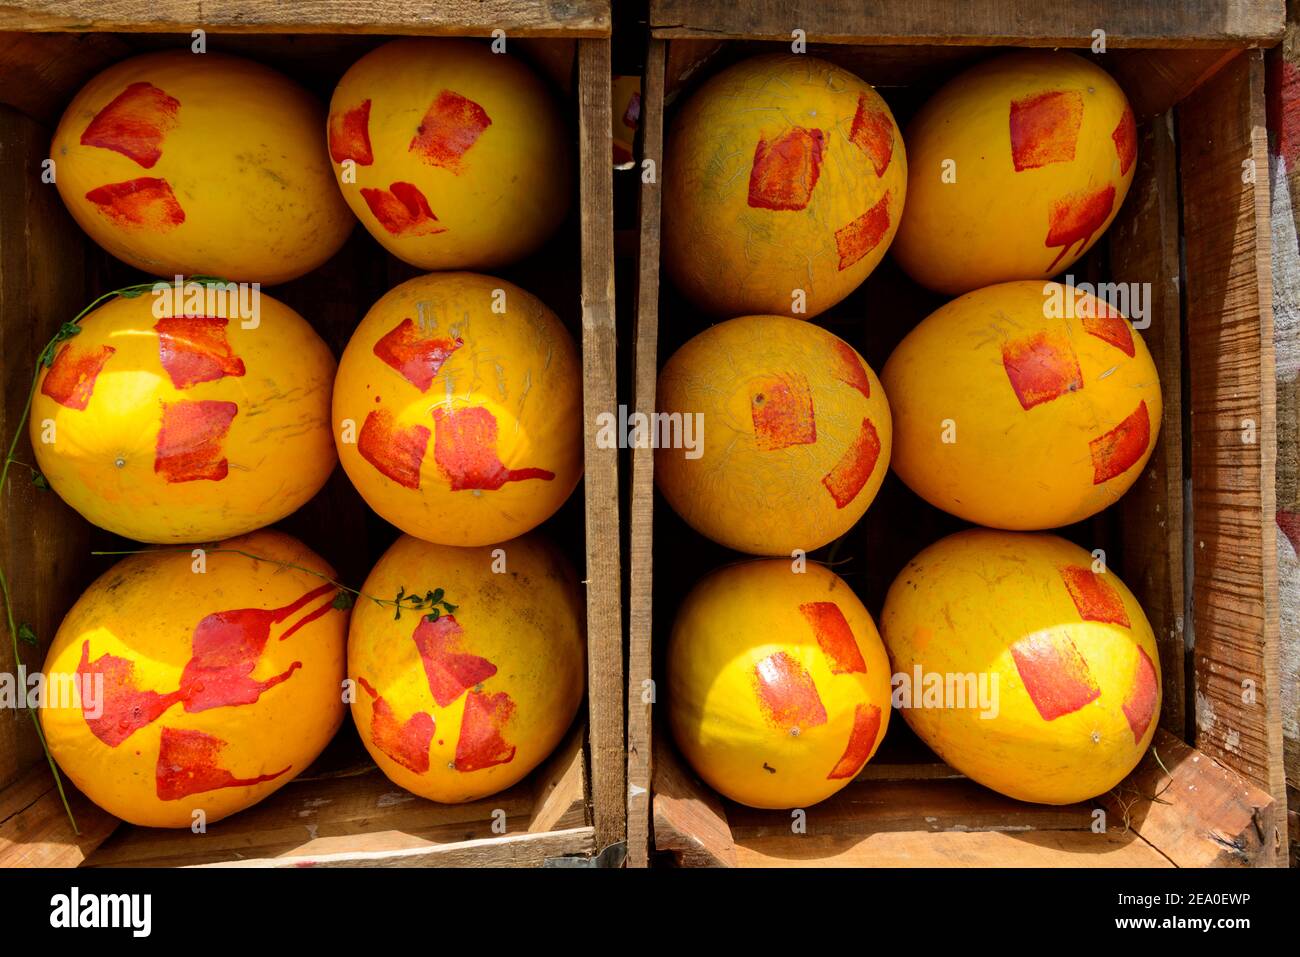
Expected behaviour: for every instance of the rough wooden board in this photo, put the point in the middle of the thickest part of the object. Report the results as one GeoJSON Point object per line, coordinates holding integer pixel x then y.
{"type": "Point", "coordinates": [951, 849]}
{"type": "Point", "coordinates": [542, 18]}
{"type": "Point", "coordinates": [1194, 811]}
{"type": "Point", "coordinates": [560, 787]}
{"type": "Point", "coordinates": [645, 361]}
{"type": "Point", "coordinates": [1230, 360]}
{"type": "Point", "coordinates": [689, 821]}
{"type": "Point", "coordinates": [1156, 80]}
{"type": "Point", "coordinates": [514, 850]}
{"type": "Point", "coordinates": [983, 22]}
{"type": "Point", "coordinates": [604, 612]}
{"type": "Point", "coordinates": [40, 72]}
{"type": "Point", "coordinates": [43, 546]}
{"type": "Point", "coordinates": [1144, 246]}
{"type": "Point", "coordinates": [34, 828]}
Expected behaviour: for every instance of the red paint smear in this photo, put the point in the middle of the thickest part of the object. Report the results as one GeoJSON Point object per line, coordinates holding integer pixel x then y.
{"type": "Point", "coordinates": [406, 742]}
{"type": "Point", "coordinates": [1140, 705]}
{"type": "Point", "coordinates": [451, 670]}
{"type": "Point", "coordinates": [849, 368]}
{"type": "Point", "coordinates": [1125, 137]}
{"type": "Point", "coordinates": [782, 410]}
{"type": "Point", "coordinates": [450, 127]}
{"type": "Point", "coordinates": [71, 379]}
{"type": "Point", "coordinates": [402, 210]}
{"type": "Point", "coordinates": [397, 453]}
{"type": "Point", "coordinates": [1075, 218]}
{"type": "Point", "coordinates": [226, 647]}
{"type": "Point", "coordinates": [350, 135]}
{"type": "Point", "coordinates": [194, 349]}
{"type": "Point", "coordinates": [1045, 128]}
{"type": "Point", "coordinates": [835, 637]}
{"type": "Point", "coordinates": [851, 472]}
{"type": "Point", "coordinates": [134, 123]}
{"type": "Point", "coordinates": [1112, 329]}
{"type": "Point", "coordinates": [873, 133]}
{"type": "Point", "coordinates": [785, 171]}
{"type": "Point", "coordinates": [787, 694]}
{"type": "Point", "coordinates": [125, 708]}
{"type": "Point", "coordinates": [189, 442]}
{"type": "Point", "coordinates": [482, 741]}
{"type": "Point", "coordinates": [1094, 597]}
{"type": "Point", "coordinates": [1289, 523]}
{"type": "Point", "coordinates": [863, 234]}
{"type": "Point", "coordinates": [1040, 368]}
{"type": "Point", "coordinates": [187, 764]}
{"type": "Point", "coordinates": [1119, 449]}
{"type": "Point", "coordinates": [866, 727]}
{"type": "Point", "coordinates": [1056, 677]}
{"type": "Point", "coordinates": [465, 448]}
{"type": "Point", "coordinates": [146, 202]}
{"type": "Point", "coordinates": [1283, 90]}
{"type": "Point", "coordinates": [418, 359]}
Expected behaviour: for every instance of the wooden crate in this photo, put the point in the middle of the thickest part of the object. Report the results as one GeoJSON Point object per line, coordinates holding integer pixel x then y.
{"type": "Point", "coordinates": [1195, 537]}
{"type": "Point", "coordinates": [341, 811]}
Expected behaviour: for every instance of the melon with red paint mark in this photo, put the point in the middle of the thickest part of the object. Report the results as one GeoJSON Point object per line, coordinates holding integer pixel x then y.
{"type": "Point", "coordinates": [151, 151]}
{"type": "Point", "coordinates": [467, 705]}
{"type": "Point", "coordinates": [460, 157]}
{"type": "Point", "coordinates": [778, 687]}
{"type": "Point", "coordinates": [209, 702]}
{"type": "Point", "coordinates": [183, 426]}
{"type": "Point", "coordinates": [468, 395]}
{"type": "Point", "coordinates": [1066, 655]}
{"type": "Point", "coordinates": [781, 173]}
{"type": "Point", "coordinates": [790, 434]}
{"type": "Point", "coordinates": [1018, 166]}
{"type": "Point", "coordinates": [1023, 406]}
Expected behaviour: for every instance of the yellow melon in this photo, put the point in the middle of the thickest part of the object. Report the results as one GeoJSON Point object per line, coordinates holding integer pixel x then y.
{"type": "Point", "coordinates": [778, 684]}
{"type": "Point", "coordinates": [452, 156]}
{"type": "Point", "coordinates": [179, 692]}
{"type": "Point", "coordinates": [1016, 168]}
{"type": "Point", "coordinates": [1023, 406]}
{"type": "Point", "coordinates": [791, 434]}
{"type": "Point", "coordinates": [1063, 649]}
{"type": "Point", "coordinates": [151, 155]}
{"type": "Point", "coordinates": [784, 179]}
{"type": "Point", "coordinates": [458, 409]}
{"type": "Point", "coordinates": [464, 696]}
{"type": "Point", "coordinates": [164, 423]}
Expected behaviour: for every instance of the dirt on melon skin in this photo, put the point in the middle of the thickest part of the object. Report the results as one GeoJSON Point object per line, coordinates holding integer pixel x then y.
{"type": "Point", "coordinates": [781, 173]}
{"type": "Point", "coordinates": [457, 423]}
{"type": "Point", "coordinates": [452, 156]}
{"type": "Point", "coordinates": [1010, 418]}
{"type": "Point", "coordinates": [796, 435]}
{"type": "Point", "coordinates": [778, 684]}
{"type": "Point", "coordinates": [183, 726]}
{"type": "Point", "coordinates": [464, 707]}
{"type": "Point", "coordinates": [1017, 167]}
{"type": "Point", "coordinates": [1078, 673]}
{"type": "Point", "coordinates": [173, 428]}
{"type": "Point", "coordinates": [150, 152]}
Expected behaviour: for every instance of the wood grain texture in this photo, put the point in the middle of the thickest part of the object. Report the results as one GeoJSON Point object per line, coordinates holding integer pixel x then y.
{"type": "Point", "coordinates": [39, 72]}
{"type": "Point", "coordinates": [1195, 811]}
{"type": "Point", "coordinates": [689, 821]}
{"type": "Point", "coordinates": [34, 828]}
{"type": "Point", "coordinates": [560, 787]}
{"type": "Point", "coordinates": [1144, 247]}
{"type": "Point", "coordinates": [540, 18]}
{"type": "Point", "coordinates": [977, 22]}
{"type": "Point", "coordinates": [604, 611]}
{"type": "Point", "coordinates": [1224, 163]}
{"type": "Point", "coordinates": [42, 547]}
{"type": "Point", "coordinates": [1157, 80]}
{"type": "Point", "coordinates": [645, 361]}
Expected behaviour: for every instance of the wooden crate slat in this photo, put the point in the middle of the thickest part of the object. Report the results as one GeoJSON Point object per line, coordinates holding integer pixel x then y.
{"type": "Point", "coordinates": [34, 827]}
{"type": "Point", "coordinates": [689, 820]}
{"type": "Point", "coordinates": [976, 22]}
{"type": "Point", "coordinates": [1224, 164]}
{"type": "Point", "coordinates": [604, 611]}
{"type": "Point", "coordinates": [541, 18]}
{"type": "Point", "coordinates": [645, 360]}
{"type": "Point", "coordinates": [1144, 249]}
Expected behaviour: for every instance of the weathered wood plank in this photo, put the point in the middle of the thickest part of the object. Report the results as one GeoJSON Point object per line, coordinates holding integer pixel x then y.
{"type": "Point", "coordinates": [689, 821]}
{"type": "Point", "coordinates": [34, 828]}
